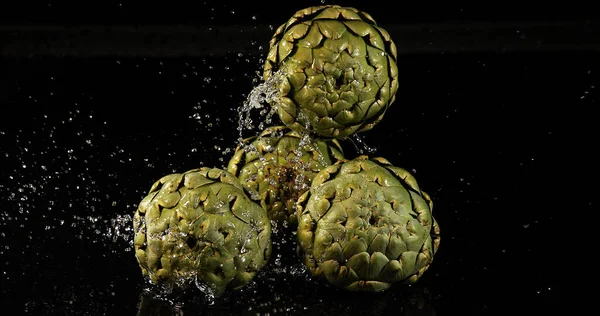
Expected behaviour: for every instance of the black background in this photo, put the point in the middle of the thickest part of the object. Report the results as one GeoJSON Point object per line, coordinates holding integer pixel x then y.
{"type": "Point", "coordinates": [501, 141]}
{"type": "Point", "coordinates": [271, 12]}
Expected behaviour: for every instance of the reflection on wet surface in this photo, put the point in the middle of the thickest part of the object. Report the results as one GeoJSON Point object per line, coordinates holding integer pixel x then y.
{"type": "Point", "coordinates": [298, 296]}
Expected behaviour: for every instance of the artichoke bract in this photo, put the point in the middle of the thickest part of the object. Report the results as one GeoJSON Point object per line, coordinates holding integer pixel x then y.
{"type": "Point", "coordinates": [278, 165]}
{"type": "Point", "coordinates": [201, 226]}
{"type": "Point", "coordinates": [365, 225]}
{"type": "Point", "coordinates": [338, 68]}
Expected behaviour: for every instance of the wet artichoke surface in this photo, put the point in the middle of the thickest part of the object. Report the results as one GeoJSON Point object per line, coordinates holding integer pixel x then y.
{"type": "Point", "coordinates": [201, 226]}
{"type": "Point", "coordinates": [279, 166]}
{"type": "Point", "coordinates": [339, 69]}
{"type": "Point", "coordinates": [365, 225]}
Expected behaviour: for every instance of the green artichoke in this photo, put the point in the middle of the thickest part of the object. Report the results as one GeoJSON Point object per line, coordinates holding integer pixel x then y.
{"type": "Point", "coordinates": [278, 165]}
{"type": "Point", "coordinates": [200, 225]}
{"type": "Point", "coordinates": [365, 224]}
{"type": "Point", "coordinates": [339, 71]}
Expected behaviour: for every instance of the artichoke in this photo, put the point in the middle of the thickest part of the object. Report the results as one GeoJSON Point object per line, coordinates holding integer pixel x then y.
{"type": "Point", "coordinates": [338, 71]}
{"type": "Point", "coordinates": [201, 226]}
{"type": "Point", "coordinates": [278, 165]}
{"type": "Point", "coordinates": [365, 225]}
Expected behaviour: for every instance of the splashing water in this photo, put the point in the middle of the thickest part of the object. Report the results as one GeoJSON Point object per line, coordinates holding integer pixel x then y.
{"type": "Point", "coordinates": [121, 228]}
{"type": "Point", "coordinates": [266, 92]}
{"type": "Point", "coordinates": [263, 100]}
{"type": "Point", "coordinates": [265, 97]}
{"type": "Point", "coordinates": [208, 292]}
{"type": "Point", "coordinates": [358, 139]}
{"type": "Point", "coordinates": [308, 142]}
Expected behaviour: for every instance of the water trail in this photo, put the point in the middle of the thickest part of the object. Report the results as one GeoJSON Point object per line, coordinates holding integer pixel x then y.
{"type": "Point", "coordinates": [206, 290]}
{"type": "Point", "coordinates": [358, 139]}
{"type": "Point", "coordinates": [263, 97]}
{"type": "Point", "coordinates": [299, 165]}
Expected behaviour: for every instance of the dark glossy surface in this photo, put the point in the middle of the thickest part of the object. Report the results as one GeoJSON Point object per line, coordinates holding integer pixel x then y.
{"type": "Point", "coordinates": [501, 142]}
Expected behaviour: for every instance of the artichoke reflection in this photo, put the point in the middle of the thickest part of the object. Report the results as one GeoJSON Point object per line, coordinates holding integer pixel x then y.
{"type": "Point", "coordinates": [200, 225]}
{"type": "Point", "coordinates": [365, 225]}
{"type": "Point", "coordinates": [339, 71]}
{"type": "Point", "coordinates": [278, 165]}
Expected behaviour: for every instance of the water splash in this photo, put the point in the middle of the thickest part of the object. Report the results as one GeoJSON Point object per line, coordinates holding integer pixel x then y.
{"type": "Point", "coordinates": [206, 290]}
{"type": "Point", "coordinates": [264, 97]}
{"type": "Point", "coordinates": [121, 228]}
{"type": "Point", "coordinates": [357, 139]}
{"type": "Point", "coordinates": [306, 145]}
{"type": "Point", "coordinates": [256, 111]}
